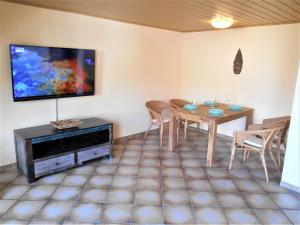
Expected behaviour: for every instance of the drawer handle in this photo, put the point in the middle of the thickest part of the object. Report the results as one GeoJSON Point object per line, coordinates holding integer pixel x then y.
{"type": "Point", "coordinates": [95, 153]}
{"type": "Point", "coordinates": [57, 164]}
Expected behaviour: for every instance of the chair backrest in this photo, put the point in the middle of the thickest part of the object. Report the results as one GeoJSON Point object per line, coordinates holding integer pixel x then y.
{"type": "Point", "coordinates": [285, 119]}
{"type": "Point", "coordinates": [269, 131]}
{"type": "Point", "coordinates": [156, 108]}
{"type": "Point", "coordinates": [178, 103]}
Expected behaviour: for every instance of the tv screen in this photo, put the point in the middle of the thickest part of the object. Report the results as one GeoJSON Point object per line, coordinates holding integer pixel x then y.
{"type": "Point", "coordinates": [49, 72]}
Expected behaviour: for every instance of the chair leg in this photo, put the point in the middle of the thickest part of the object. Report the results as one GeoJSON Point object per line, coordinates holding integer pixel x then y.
{"type": "Point", "coordinates": [245, 156]}
{"type": "Point", "coordinates": [185, 128]}
{"type": "Point", "coordinates": [177, 130]}
{"type": "Point", "coordinates": [147, 130]}
{"type": "Point", "coordinates": [278, 155]}
{"type": "Point", "coordinates": [161, 130]}
{"type": "Point", "coordinates": [231, 157]}
{"type": "Point", "coordinates": [198, 127]}
{"type": "Point", "coordinates": [273, 159]}
{"type": "Point", "coordinates": [264, 166]}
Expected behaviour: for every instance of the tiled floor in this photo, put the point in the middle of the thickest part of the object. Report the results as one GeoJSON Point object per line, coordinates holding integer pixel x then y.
{"type": "Point", "coordinates": [147, 185]}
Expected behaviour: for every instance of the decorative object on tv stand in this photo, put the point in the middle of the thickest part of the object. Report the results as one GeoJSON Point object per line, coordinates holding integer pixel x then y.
{"type": "Point", "coordinates": [238, 62]}
{"type": "Point", "coordinates": [65, 124]}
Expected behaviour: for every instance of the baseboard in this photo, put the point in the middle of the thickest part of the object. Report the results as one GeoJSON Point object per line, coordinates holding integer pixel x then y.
{"type": "Point", "coordinates": [8, 166]}
{"type": "Point", "coordinates": [290, 186]}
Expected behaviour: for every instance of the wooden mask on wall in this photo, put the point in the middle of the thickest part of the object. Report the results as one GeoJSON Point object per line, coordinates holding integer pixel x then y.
{"type": "Point", "coordinates": [238, 62]}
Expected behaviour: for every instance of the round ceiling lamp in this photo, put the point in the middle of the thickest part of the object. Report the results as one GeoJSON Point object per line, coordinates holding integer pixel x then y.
{"type": "Point", "coordinates": [221, 22]}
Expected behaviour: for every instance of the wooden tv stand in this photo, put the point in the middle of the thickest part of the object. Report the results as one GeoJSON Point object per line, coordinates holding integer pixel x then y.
{"type": "Point", "coordinates": [44, 149]}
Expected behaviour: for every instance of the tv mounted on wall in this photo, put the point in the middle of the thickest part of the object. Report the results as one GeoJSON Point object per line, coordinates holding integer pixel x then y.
{"type": "Point", "coordinates": [50, 72]}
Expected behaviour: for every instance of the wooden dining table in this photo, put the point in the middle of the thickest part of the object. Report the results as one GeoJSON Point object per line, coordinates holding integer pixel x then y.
{"type": "Point", "coordinates": [201, 115]}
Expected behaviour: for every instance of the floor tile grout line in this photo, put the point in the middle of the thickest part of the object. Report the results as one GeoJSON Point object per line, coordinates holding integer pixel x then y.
{"type": "Point", "coordinates": [135, 189]}
{"type": "Point", "coordinates": [254, 178]}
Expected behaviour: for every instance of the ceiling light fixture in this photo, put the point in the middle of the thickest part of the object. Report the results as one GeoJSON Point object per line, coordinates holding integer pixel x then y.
{"type": "Point", "coordinates": [221, 22]}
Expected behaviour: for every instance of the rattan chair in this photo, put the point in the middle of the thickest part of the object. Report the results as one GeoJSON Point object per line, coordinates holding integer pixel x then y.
{"type": "Point", "coordinates": [259, 138]}
{"type": "Point", "coordinates": [280, 140]}
{"type": "Point", "coordinates": [157, 110]}
{"type": "Point", "coordinates": [179, 103]}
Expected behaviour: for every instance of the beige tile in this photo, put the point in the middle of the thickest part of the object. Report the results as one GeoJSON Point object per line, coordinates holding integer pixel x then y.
{"type": "Point", "coordinates": [210, 216]}
{"type": "Point", "coordinates": [149, 154]}
{"type": "Point", "coordinates": [240, 174]}
{"type": "Point", "coordinates": [149, 172]}
{"type": "Point", "coordinates": [199, 185]}
{"type": "Point", "coordinates": [171, 163]}
{"type": "Point", "coordinates": [172, 172]}
{"type": "Point", "coordinates": [24, 210]}
{"type": "Point", "coordinates": [86, 169]}
{"type": "Point", "coordinates": [150, 162]}
{"type": "Point", "coordinates": [271, 216]}
{"type": "Point", "coordinates": [66, 193]}
{"type": "Point", "coordinates": [117, 213]}
{"type": "Point", "coordinates": [203, 199]}
{"type": "Point", "coordinates": [120, 196]}
{"type": "Point", "coordinates": [147, 214]}
{"type": "Point", "coordinates": [100, 181]}
{"type": "Point", "coordinates": [147, 197]}
{"type": "Point", "coordinates": [187, 163]}
{"type": "Point", "coordinates": [13, 191]}
{"type": "Point", "coordinates": [39, 193]}
{"type": "Point", "coordinates": [249, 186]}
{"type": "Point", "coordinates": [93, 195]}
{"type": "Point", "coordinates": [232, 200]}
{"type": "Point", "coordinates": [75, 180]}
{"type": "Point", "coordinates": [286, 201]}
{"type": "Point", "coordinates": [272, 186]}
{"type": "Point", "coordinates": [262, 201]}
{"type": "Point", "coordinates": [293, 215]}
{"type": "Point", "coordinates": [178, 214]}
{"type": "Point", "coordinates": [194, 174]}
{"type": "Point", "coordinates": [86, 212]}
{"type": "Point", "coordinates": [216, 173]}
{"type": "Point", "coordinates": [127, 171]}
{"type": "Point", "coordinates": [44, 222]}
{"type": "Point", "coordinates": [53, 179]}
{"type": "Point", "coordinates": [54, 210]}
{"type": "Point", "coordinates": [241, 216]}
{"type": "Point", "coordinates": [132, 153]}
{"type": "Point", "coordinates": [129, 161]}
{"type": "Point", "coordinates": [5, 205]}
{"type": "Point", "coordinates": [106, 169]}
{"type": "Point", "coordinates": [173, 183]}
{"type": "Point", "coordinates": [14, 222]}
{"type": "Point", "coordinates": [223, 185]}
{"type": "Point", "coordinates": [180, 197]}
{"type": "Point", "coordinates": [148, 183]}
{"type": "Point", "coordinates": [124, 182]}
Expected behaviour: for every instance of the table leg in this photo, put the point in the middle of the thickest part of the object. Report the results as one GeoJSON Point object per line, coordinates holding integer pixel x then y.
{"type": "Point", "coordinates": [211, 142]}
{"type": "Point", "coordinates": [172, 126]}
{"type": "Point", "coordinates": [249, 119]}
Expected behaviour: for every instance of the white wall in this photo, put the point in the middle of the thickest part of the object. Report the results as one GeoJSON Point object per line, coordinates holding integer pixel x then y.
{"type": "Point", "coordinates": [291, 169]}
{"type": "Point", "coordinates": [136, 63]}
{"type": "Point", "coordinates": [268, 77]}
{"type": "Point", "coordinates": [133, 64]}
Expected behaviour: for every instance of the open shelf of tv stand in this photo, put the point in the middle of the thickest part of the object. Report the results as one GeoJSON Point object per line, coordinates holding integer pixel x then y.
{"type": "Point", "coordinates": [44, 149]}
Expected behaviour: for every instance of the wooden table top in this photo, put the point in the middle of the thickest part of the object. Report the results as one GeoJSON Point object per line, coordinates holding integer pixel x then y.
{"type": "Point", "coordinates": [201, 114]}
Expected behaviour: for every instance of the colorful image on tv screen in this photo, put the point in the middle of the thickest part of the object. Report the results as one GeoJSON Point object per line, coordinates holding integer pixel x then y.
{"type": "Point", "coordinates": [46, 71]}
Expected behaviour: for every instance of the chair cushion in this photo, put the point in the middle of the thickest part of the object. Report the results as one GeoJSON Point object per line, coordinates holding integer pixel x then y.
{"type": "Point", "coordinates": [254, 141]}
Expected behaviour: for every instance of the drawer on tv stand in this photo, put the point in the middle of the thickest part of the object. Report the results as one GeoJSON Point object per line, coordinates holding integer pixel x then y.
{"type": "Point", "coordinates": [92, 153]}
{"type": "Point", "coordinates": [54, 164]}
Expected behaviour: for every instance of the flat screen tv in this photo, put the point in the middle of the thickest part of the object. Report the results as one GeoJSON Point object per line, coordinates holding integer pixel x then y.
{"type": "Point", "coordinates": [49, 72]}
